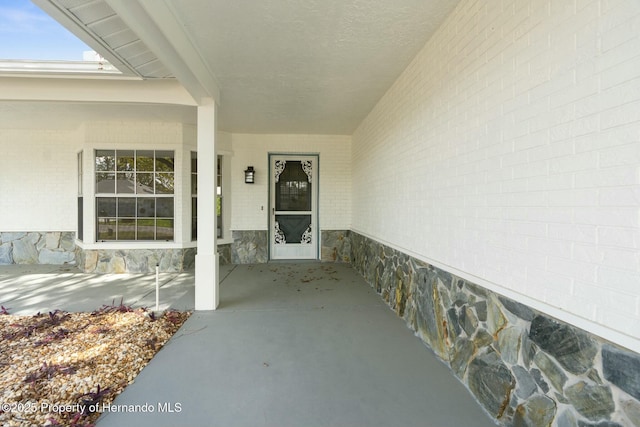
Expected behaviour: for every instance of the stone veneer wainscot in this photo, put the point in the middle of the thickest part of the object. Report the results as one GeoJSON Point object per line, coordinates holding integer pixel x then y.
{"type": "Point", "coordinates": [58, 248]}
{"type": "Point", "coordinates": [249, 247]}
{"type": "Point", "coordinates": [525, 368]}
{"type": "Point", "coordinates": [252, 246]}
{"type": "Point", "coordinates": [47, 247]}
{"type": "Point", "coordinates": [135, 260]}
{"type": "Point", "coordinates": [335, 246]}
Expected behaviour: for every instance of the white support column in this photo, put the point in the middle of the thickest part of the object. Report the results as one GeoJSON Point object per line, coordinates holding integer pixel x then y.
{"type": "Point", "coordinates": [207, 257]}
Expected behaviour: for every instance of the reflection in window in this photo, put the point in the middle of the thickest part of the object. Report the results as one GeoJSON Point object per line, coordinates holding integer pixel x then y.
{"type": "Point", "coordinates": [80, 203]}
{"type": "Point", "coordinates": [134, 194]}
{"type": "Point", "coordinates": [194, 196]}
{"type": "Point", "coordinates": [293, 190]}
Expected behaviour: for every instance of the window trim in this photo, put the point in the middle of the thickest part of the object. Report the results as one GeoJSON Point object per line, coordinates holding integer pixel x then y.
{"type": "Point", "coordinates": [138, 192]}
{"type": "Point", "coordinates": [80, 197]}
{"type": "Point", "coordinates": [219, 196]}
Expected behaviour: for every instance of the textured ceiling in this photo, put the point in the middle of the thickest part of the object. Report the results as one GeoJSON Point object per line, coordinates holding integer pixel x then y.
{"type": "Point", "coordinates": [275, 66]}
{"type": "Point", "coordinates": [306, 66]}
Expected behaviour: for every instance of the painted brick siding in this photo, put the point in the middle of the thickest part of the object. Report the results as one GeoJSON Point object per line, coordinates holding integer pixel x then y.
{"type": "Point", "coordinates": [38, 171]}
{"type": "Point", "coordinates": [335, 177]}
{"type": "Point", "coordinates": [509, 151]}
{"type": "Point", "coordinates": [38, 179]}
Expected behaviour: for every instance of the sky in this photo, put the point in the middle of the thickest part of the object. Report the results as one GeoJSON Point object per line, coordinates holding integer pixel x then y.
{"type": "Point", "coordinates": [26, 32]}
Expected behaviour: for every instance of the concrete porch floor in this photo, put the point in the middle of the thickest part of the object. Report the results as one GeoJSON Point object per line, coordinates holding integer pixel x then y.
{"type": "Point", "coordinates": [29, 289]}
{"type": "Point", "coordinates": [296, 344]}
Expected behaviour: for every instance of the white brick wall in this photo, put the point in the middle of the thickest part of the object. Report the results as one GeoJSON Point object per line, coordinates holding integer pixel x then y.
{"type": "Point", "coordinates": [38, 172]}
{"type": "Point", "coordinates": [509, 151]}
{"type": "Point", "coordinates": [38, 184]}
{"type": "Point", "coordinates": [250, 202]}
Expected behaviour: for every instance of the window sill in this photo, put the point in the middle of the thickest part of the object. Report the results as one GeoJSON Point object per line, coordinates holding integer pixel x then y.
{"type": "Point", "coordinates": [130, 245]}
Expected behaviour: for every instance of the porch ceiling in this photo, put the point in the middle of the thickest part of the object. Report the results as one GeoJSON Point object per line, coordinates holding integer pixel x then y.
{"type": "Point", "coordinates": [276, 66]}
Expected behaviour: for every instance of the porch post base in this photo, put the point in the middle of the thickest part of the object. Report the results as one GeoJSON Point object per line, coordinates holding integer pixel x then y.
{"type": "Point", "coordinates": [207, 291]}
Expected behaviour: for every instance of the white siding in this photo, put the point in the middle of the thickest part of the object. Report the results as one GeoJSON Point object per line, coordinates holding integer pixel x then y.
{"type": "Point", "coordinates": [509, 151]}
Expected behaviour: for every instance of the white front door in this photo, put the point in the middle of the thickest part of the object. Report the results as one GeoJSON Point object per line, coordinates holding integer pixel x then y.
{"type": "Point", "coordinates": [293, 222]}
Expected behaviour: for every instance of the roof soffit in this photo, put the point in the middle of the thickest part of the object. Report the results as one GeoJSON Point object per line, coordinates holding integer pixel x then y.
{"type": "Point", "coordinates": [99, 26]}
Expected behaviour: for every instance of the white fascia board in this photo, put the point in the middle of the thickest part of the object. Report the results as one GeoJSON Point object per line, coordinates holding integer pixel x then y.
{"type": "Point", "coordinates": [59, 67]}
{"type": "Point", "coordinates": [94, 90]}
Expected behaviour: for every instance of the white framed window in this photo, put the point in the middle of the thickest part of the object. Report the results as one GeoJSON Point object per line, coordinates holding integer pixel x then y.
{"type": "Point", "coordinates": [194, 197]}
{"type": "Point", "coordinates": [134, 195]}
{"type": "Point", "coordinates": [219, 204]}
{"type": "Point", "coordinates": [80, 201]}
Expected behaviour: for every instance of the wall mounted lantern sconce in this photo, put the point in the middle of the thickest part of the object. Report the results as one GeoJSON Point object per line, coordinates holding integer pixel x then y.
{"type": "Point", "coordinates": [249, 175]}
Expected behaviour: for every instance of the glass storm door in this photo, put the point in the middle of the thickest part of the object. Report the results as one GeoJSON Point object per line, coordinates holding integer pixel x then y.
{"type": "Point", "coordinates": [294, 218]}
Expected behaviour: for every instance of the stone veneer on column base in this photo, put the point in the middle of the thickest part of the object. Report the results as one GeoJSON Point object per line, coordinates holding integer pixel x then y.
{"type": "Point", "coordinates": [135, 260]}
{"type": "Point", "coordinates": [525, 368]}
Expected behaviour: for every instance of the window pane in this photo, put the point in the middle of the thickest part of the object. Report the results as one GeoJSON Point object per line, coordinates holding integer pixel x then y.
{"type": "Point", "coordinates": [125, 160]}
{"type": "Point", "coordinates": [194, 162]}
{"type": "Point", "coordinates": [106, 229]}
{"type": "Point", "coordinates": [132, 173]}
{"type": "Point", "coordinates": [144, 160]}
{"type": "Point", "coordinates": [293, 226]}
{"type": "Point", "coordinates": [164, 183]}
{"type": "Point", "coordinates": [80, 218]}
{"type": "Point", "coordinates": [106, 206]}
{"type": "Point", "coordinates": [80, 173]}
{"type": "Point", "coordinates": [293, 190]}
{"type": "Point", "coordinates": [105, 160]}
{"type": "Point", "coordinates": [194, 184]}
{"type": "Point", "coordinates": [219, 216]}
{"type": "Point", "coordinates": [125, 183]}
{"type": "Point", "coordinates": [164, 161]}
{"type": "Point", "coordinates": [105, 182]}
{"type": "Point", "coordinates": [164, 207]}
{"type": "Point", "coordinates": [144, 183]}
{"type": "Point", "coordinates": [194, 218]}
{"type": "Point", "coordinates": [126, 207]}
{"type": "Point", "coordinates": [164, 229]}
{"type": "Point", "coordinates": [146, 228]}
{"type": "Point", "coordinates": [146, 207]}
{"type": "Point", "coordinates": [126, 229]}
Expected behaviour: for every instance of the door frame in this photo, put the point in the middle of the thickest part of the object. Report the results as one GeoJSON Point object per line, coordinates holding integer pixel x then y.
{"type": "Point", "coordinates": [315, 203]}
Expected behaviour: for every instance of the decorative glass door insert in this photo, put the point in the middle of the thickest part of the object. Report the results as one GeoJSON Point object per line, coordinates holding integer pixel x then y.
{"type": "Point", "coordinates": [293, 207]}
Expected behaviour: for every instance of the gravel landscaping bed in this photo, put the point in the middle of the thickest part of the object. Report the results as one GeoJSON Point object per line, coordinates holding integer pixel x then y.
{"type": "Point", "coordinates": [60, 368]}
